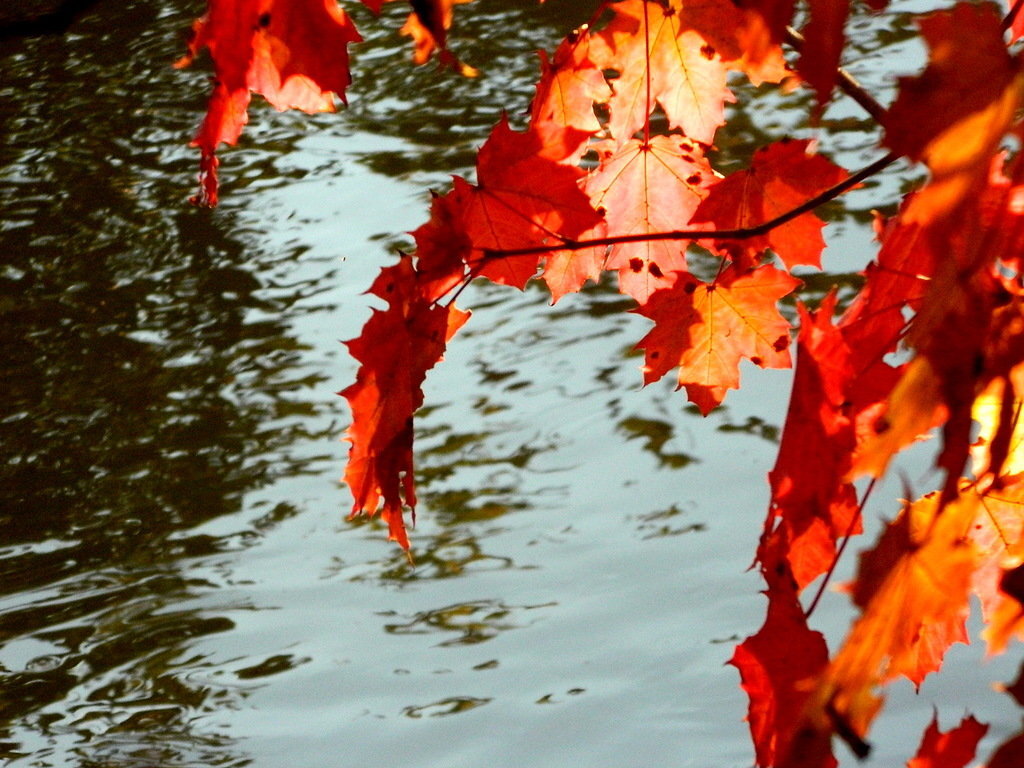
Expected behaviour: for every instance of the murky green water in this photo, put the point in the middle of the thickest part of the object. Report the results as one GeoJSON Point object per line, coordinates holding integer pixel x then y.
{"type": "Point", "coordinates": [178, 586]}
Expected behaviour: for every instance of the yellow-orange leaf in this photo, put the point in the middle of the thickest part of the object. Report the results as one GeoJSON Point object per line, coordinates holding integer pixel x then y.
{"type": "Point", "coordinates": [913, 587]}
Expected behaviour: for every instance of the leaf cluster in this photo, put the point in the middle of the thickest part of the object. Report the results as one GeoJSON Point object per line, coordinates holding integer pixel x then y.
{"type": "Point", "coordinates": [591, 186]}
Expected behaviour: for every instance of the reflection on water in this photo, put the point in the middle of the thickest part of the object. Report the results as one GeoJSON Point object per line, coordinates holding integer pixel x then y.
{"type": "Point", "coordinates": [151, 380]}
{"type": "Point", "coordinates": [473, 623]}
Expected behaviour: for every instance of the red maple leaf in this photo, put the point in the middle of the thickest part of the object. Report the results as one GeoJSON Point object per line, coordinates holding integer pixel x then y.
{"type": "Point", "coordinates": [812, 499]}
{"type": "Point", "coordinates": [823, 46]}
{"type": "Point", "coordinates": [707, 328]}
{"type": "Point", "coordinates": [396, 349]}
{"type": "Point", "coordinates": [521, 199]}
{"type": "Point", "coordinates": [294, 52]}
{"type": "Point", "coordinates": [646, 188]}
{"type": "Point", "coordinates": [777, 668]}
{"type": "Point", "coordinates": [953, 749]}
{"type": "Point", "coordinates": [782, 176]}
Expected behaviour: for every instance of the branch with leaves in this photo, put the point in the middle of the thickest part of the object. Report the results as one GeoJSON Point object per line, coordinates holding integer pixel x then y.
{"type": "Point", "coordinates": [932, 341]}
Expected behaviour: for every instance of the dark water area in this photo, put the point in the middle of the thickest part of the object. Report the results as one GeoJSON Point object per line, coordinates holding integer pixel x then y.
{"type": "Point", "coordinates": [178, 584]}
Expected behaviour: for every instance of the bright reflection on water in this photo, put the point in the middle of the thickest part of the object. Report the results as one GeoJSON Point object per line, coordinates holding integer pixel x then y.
{"type": "Point", "coordinates": [178, 585]}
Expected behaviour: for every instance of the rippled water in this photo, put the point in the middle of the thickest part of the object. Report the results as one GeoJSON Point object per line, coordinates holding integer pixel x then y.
{"type": "Point", "coordinates": [178, 585]}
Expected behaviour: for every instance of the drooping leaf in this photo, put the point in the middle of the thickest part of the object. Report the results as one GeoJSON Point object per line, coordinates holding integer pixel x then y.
{"type": "Point", "coordinates": [294, 52]}
{"type": "Point", "coordinates": [781, 177]}
{"type": "Point", "coordinates": [395, 349]}
{"type": "Point", "coordinates": [707, 328]}
{"type": "Point", "coordinates": [778, 666]}
{"type": "Point", "coordinates": [824, 38]}
{"type": "Point", "coordinates": [813, 501]}
{"type": "Point", "coordinates": [953, 749]}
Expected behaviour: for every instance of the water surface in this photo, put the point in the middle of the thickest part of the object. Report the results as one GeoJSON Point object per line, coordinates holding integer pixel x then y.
{"type": "Point", "coordinates": [179, 585]}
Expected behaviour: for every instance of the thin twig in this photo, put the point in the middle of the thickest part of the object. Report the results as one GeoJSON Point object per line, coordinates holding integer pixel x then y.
{"type": "Point", "coordinates": [1012, 15]}
{"type": "Point", "coordinates": [848, 83]}
{"type": "Point", "coordinates": [842, 547]}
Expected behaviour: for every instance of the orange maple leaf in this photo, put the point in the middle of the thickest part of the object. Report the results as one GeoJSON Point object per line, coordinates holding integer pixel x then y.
{"type": "Point", "coordinates": [656, 52]}
{"type": "Point", "coordinates": [707, 328]}
{"type": "Point", "coordinates": [562, 111]}
{"type": "Point", "coordinates": [913, 588]}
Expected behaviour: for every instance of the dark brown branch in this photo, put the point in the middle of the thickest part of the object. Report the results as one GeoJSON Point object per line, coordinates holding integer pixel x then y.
{"type": "Point", "coordinates": [1012, 15]}
{"type": "Point", "coordinates": [705, 234]}
{"type": "Point", "coordinates": [848, 83]}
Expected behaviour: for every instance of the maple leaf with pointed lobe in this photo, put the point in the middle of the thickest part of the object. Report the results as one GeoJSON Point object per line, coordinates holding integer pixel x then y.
{"type": "Point", "coordinates": [781, 177]}
{"type": "Point", "coordinates": [396, 348]}
{"type": "Point", "coordinates": [777, 667]}
{"type": "Point", "coordinates": [707, 328]}
{"type": "Point", "coordinates": [294, 52]}
{"type": "Point", "coordinates": [643, 189]}
{"type": "Point", "coordinates": [955, 114]}
{"type": "Point", "coordinates": [656, 52]}
{"type": "Point", "coordinates": [953, 749]}
{"type": "Point", "coordinates": [521, 200]}
{"type": "Point", "coordinates": [562, 112]}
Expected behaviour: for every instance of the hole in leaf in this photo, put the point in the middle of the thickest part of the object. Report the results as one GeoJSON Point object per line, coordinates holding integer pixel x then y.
{"type": "Point", "coordinates": [636, 264]}
{"type": "Point", "coordinates": [655, 270]}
